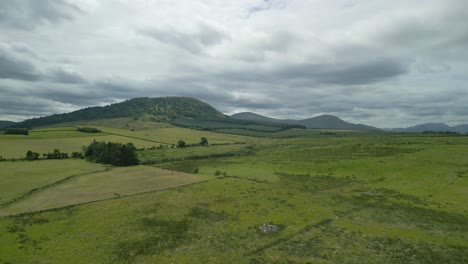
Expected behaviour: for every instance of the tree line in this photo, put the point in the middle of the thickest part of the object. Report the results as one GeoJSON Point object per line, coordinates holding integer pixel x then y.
{"type": "Point", "coordinates": [116, 154]}
{"type": "Point", "coordinates": [56, 154]}
{"type": "Point", "coordinates": [16, 131]}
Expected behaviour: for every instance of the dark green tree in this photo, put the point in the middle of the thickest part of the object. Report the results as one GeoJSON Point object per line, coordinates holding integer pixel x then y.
{"type": "Point", "coordinates": [181, 144]}
{"type": "Point", "coordinates": [204, 141]}
{"type": "Point", "coordinates": [57, 154]}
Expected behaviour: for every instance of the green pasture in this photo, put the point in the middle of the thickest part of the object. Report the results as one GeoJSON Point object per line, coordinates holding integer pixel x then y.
{"type": "Point", "coordinates": [196, 152]}
{"type": "Point", "coordinates": [158, 132]}
{"type": "Point", "coordinates": [127, 123]}
{"type": "Point", "coordinates": [44, 133]}
{"type": "Point", "coordinates": [17, 146]}
{"type": "Point", "coordinates": [172, 135]}
{"type": "Point", "coordinates": [17, 178]}
{"type": "Point", "coordinates": [352, 197]}
{"type": "Point", "coordinates": [101, 185]}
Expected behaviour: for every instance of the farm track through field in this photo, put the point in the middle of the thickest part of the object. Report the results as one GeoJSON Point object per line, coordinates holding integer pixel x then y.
{"type": "Point", "coordinates": [42, 188]}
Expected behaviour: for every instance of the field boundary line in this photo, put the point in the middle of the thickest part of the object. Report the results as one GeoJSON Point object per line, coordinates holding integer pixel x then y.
{"type": "Point", "coordinates": [144, 139]}
{"type": "Point", "coordinates": [42, 188]}
{"type": "Point", "coordinates": [100, 200]}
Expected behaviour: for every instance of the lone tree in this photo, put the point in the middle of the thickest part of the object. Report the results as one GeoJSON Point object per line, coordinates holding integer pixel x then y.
{"type": "Point", "coordinates": [204, 141]}
{"type": "Point", "coordinates": [181, 144]}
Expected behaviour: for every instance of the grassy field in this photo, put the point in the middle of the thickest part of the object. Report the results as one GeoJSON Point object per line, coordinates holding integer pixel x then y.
{"type": "Point", "coordinates": [344, 198]}
{"type": "Point", "coordinates": [159, 132]}
{"type": "Point", "coordinates": [18, 178]}
{"type": "Point", "coordinates": [101, 185]}
{"type": "Point", "coordinates": [15, 148]}
{"type": "Point", "coordinates": [67, 140]}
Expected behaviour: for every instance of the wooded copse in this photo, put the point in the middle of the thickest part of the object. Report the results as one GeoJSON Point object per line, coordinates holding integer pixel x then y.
{"type": "Point", "coordinates": [116, 154]}
{"type": "Point", "coordinates": [88, 130]}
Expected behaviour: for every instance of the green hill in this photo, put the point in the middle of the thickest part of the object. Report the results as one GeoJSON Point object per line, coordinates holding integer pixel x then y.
{"type": "Point", "coordinates": [178, 111]}
{"type": "Point", "coordinates": [318, 122]}
{"type": "Point", "coordinates": [155, 109]}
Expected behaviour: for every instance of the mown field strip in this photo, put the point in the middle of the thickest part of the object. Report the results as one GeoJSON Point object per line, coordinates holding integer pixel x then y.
{"type": "Point", "coordinates": [102, 185]}
{"type": "Point", "coordinates": [42, 188]}
{"type": "Point", "coordinates": [18, 178]}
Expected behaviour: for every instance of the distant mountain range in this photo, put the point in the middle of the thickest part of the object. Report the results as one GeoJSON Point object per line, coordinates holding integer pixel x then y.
{"type": "Point", "coordinates": [169, 109]}
{"type": "Point", "coordinates": [6, 123]}
{"type": "Point", "coordinates": [322, 121]}
{"type": "Point", "coordinates": [432, 127]}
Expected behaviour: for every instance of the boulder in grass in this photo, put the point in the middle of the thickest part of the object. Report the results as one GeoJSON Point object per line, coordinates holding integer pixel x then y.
{"type": "Point", "coordinates": [268, 228]}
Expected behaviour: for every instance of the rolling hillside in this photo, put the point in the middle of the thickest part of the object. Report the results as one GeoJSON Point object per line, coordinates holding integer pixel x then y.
{"type": "Point", "coordinates": [179, 111]}
{"type": "Point", "coordinates": [155, 109]}
{"type": "Point", "coordinates": [323, 121]}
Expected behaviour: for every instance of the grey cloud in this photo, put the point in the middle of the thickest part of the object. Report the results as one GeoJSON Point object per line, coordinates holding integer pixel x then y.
{"type": "Point", "coordinates": [364, 73]}
{"type": "Point", "coordinates": [346, 74]}
{"type": "Point", "coordinates": [193, 42]}
{"type": "Point", "coordinates": [442, 33]}
{"type": "Point", "coordinates": [28, 14]}
{"type": "Point", "coordinates": [62, 76]}
{"type": "Point", "coordinates": [14, 67]}
{"type": "Point", "coordinates": [31, 106]}
{"type": "Point", "coordinates": [303, 74]}
{"type": "Point", "coordinates": [209, 35]}
{"type": "Point", "coordinates": [18, 62]}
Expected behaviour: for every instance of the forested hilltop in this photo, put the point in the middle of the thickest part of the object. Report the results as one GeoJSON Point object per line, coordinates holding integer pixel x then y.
{"type": "Point", "coordinates": [158, 109]}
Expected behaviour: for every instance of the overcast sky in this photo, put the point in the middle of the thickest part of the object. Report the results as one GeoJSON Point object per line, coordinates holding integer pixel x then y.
{"type": "Point", "coordinates": [378, 62]}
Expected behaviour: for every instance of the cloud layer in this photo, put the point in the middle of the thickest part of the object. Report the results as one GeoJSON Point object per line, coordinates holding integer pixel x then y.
{"type": "Point", "coordinates": [387, 64]}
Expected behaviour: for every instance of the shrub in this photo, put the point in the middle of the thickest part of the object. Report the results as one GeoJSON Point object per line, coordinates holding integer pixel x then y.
{"type": "Point", "coordinates": [32, 155]}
